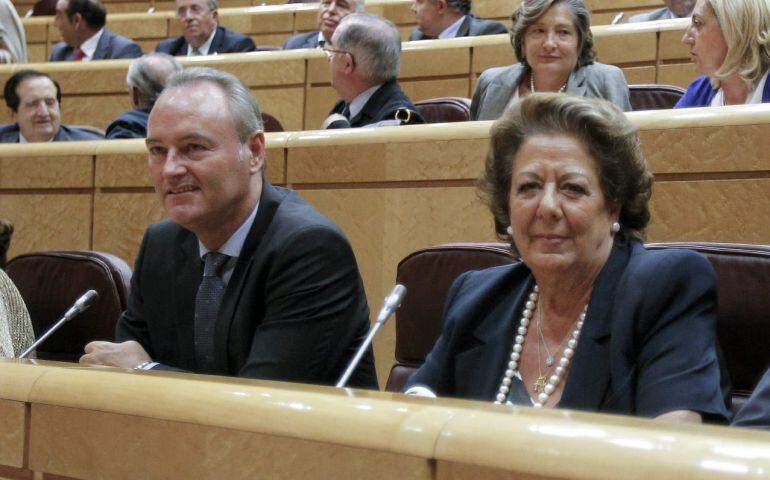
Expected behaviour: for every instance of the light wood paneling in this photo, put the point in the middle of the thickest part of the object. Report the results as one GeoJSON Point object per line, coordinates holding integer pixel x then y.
{"type": "Point", "coordinates": [13, 425]}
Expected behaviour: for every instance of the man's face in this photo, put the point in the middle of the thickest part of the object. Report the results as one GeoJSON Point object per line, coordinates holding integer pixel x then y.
{"type": "Point", "coordinates": [681, 8]}
{"type": "Point", "coordinates": [201, 170]}
{"type": "Point", "coordinates": [67, 27]}
{"type": "Point", "coordinates": [426, 12]}
{"type": "Point", "coordinates": [38, 114]}
{"type": "Point", "coordinates": [331, 12]}
{"type": "Point", "coordinates": [197, 20]}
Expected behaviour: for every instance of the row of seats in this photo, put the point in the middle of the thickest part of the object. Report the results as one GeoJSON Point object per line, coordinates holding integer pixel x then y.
{"type": "Point", "coordinates": [742, 271]}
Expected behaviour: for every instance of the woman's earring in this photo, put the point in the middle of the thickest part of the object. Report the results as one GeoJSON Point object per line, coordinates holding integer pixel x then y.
{"type": "Point", "coordinates": [509, 231]}
{"type": "Point", "coordinates": [615, 227]}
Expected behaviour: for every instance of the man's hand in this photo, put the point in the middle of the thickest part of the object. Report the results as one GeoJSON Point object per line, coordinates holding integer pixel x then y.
{"type": "Point", "coordinates": [127, 354]}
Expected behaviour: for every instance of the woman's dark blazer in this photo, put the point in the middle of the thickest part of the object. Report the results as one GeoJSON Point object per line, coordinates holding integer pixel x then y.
{"type": "Point", "coordinates": [647, 346]}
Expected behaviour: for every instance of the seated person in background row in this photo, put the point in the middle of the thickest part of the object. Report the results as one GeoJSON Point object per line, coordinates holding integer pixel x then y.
{"type": "Point", "coordinates": [244, 278]}
{"type": "Point", "coordinates": [33, 99]}
{"type": "Point", "coordinates": [450, 19]}
{"type": "Point", "coordinates": [13, 43]}
{"type": "Point", "coordinates": [330, 12]}
{"type": "Point", "coordinates": [146, 78]}
{"type": "Point", "coordinates": [589, 319]}
{"type": "Point", "coordinates": [756, 411]}
{"type": "Point", "coordinates": [729, 44]}
{"type": "Point", "coordinates": [673, 9]}
{"type": "Point", "coordinates": [199, 20]}
{"type": "Point", "coordinates": [553, 42]}
{"type": "Point", "coordinates": [365, 57]}
{"type": "Point", "coordinates": [84, 38]}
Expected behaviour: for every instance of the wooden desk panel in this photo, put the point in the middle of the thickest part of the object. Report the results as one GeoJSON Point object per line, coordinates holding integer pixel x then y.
{"type": "Point", "coordinates": [13, 425]}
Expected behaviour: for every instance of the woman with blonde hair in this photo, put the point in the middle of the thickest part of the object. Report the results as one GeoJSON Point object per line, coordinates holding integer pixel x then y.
{"type": "Point", "coordinates": [729, 42]}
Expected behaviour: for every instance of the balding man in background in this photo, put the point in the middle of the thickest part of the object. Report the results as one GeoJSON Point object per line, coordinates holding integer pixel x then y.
{"type": "Point", "coordinates": [365, 57]}
{"type": "Point", "coordinates": [330, 12]}
{"type": "Point", "coordinates": [450, 19]}
{"type": "Point", "coordinates": [199, 20]}
{"type": "Point", "coordinates": [84, 38]}
{"type": "Point", "coordinates": [146, 78]}
{"type": "Point", "coordinates": [673, 9]}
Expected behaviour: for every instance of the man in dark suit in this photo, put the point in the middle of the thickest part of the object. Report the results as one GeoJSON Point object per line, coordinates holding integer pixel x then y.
{"type": "Point", "coordinates": [146, 78]}
{"type": "Point", "coordinates": [84, 38]}
{"type": "Point", "coordinates": [364, 59]}
{"type": "Point", "coordinates": [33, 100]}
{"type": "Point", "coordinates": [244, 278]}
{"type": "Point", "coordinates": [199, 20]}
{"type": "Point", "coordinates": [330, 12]}
{"type": "Point", "coordinates": [450, 19]}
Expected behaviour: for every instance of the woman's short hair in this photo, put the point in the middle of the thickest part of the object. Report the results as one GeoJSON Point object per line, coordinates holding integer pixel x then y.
{"type": "Point", "coordinates": [529, 11]}
{"type": "Point", "coordinates": [606, 134]}
{"type": "Point", "coordinates": [745, 24]}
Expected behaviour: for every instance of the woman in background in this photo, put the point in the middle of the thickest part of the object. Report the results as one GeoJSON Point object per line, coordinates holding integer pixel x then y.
{"type": "Point", "coordinates": [729, 42]}
{"type": "Point", "coordinates": [553, 42]}
{"type": "Point", "coordinates": [13, 44]}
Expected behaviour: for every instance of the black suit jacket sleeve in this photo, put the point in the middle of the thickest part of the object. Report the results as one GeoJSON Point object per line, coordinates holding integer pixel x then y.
{"type": "Point", "coordinates": [312, 292]}
{"type": "Point", "coordinates": [132, 325]}
{"type": "Point", "coordinates": [756, 412]}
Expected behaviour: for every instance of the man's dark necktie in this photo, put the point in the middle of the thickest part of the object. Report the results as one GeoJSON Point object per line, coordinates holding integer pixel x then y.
{"type": "Point", "coordinates": [207, 302]}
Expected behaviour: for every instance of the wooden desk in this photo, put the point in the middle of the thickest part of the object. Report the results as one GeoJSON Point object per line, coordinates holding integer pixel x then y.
{"type": "Point", "coordinates": [394, 190]}
{"type": "Point", "coordinates": [85, 423]}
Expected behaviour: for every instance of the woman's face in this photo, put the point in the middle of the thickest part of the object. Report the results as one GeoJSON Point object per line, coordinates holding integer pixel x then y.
{"type": "Point", "coordinates": [551, 43]}
{"type": "Point", "coordinates": [559, 218]}
{"type": "Point", "coordinates": [708, 48]}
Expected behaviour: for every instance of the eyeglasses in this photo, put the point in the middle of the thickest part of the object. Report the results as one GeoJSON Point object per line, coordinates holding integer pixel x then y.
{"type": "Point", "coordinates": [329, 52]}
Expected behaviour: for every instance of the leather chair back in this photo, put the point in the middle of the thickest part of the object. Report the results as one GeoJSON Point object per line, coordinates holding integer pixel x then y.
{"type": "Point", "coordinates": [743, 292]}
{"type": "Point", "coordinates": [743, 330]}
{"type": "Point", "coordinates": [427, 274]}
{"type": "Point", "coordinates": [50, 282]}
{"type": "Point", "coordinates": [445, 109]}
{"type": "Point", "coordinates": [654, 97]}
{"type": "Point", "coordinates": [270, 123]}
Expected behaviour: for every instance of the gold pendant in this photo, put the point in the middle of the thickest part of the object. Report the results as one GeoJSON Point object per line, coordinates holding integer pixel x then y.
{"type": "Point", "coordinates": [540, 384]}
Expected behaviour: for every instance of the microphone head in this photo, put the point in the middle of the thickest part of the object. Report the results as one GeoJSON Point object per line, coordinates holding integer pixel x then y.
{"type": "Point", "coordinates": [86, 300]}
{"type": "Point", "coordinates": [394, 298]}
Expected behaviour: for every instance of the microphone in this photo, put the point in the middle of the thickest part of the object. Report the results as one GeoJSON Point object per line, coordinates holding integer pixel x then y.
{"type": "Point", "coordinates": [390, 305]}
{"type": "Point", "coordinates": [80, 305]}
{"type": "Point", "coordinates": [617, 18]}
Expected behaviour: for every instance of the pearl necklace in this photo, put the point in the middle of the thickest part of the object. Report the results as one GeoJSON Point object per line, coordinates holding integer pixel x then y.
{"type": "Point", "coordinates": [532, 84]}
{"type": "Point", "coordinates": [518, 347]}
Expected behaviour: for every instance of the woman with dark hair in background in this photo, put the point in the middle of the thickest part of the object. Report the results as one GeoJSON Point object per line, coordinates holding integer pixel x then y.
{"type": "Point", "coordinates": [553, 42]}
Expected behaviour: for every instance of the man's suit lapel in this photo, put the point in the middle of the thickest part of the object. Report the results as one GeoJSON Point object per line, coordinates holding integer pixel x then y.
{"type": "Point", "coordinates": [102, 47]}
{"type": "Point", "coordinates": [269, 202]}
{"type": "Point", "coordinates": [188, 278]}
{"type": "Point", "coordinates": [495, 340]}
{"type": "Point", "coordinates": [372, 106]}
{"type": "Point", "coordinates": [216, 43]}
{"type": "Point", "coordinates": [465, 27]}
{"type": "Point", "coordinates": [589, 375]}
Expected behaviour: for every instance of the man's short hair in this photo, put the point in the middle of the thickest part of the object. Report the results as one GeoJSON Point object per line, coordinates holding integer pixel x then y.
{"type": "Point", "coordinates": [92, 11]}
{"type": "Point", "coordinates": [12, 99]}
{"type": "Point", "coordinates": [149, 73]}
{"type": "Point", "coordinates": [374, 43]}
{"type": "Point", "coordinates": [243, 107]}
{"type": "Point", "coordinates": [462, 6]}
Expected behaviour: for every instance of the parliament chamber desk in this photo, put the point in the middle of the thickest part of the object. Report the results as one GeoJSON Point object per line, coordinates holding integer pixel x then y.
{"type": "Point", "coordinates": [294, 86]}
{"type": "Point", "coordinates": [131, 18]}
{"type": "Point", "coordinates": [393, 190]}
{"type": "Point", "coordinates": [102, 423]}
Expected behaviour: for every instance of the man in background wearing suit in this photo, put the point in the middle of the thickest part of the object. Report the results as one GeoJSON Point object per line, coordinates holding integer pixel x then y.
{"type": "Point", "coordinates": [33, 100]}
{"type": "Point", "coordinates": [450, 19]}
{"type": "Point", "coordinates": [84, 38]}
{"type": "Point", "coordinates": [244, 278]}
{"type": "Point", "coordinates": [364, 59]}
{"type": "Point", "coordinates": [199, 20]}
{"type": "Point", "coordinates": [673, 9]}
{"type": "Point", "coordinates": [146, 78]}
{"type": "Point", "coordinates": [330, 12]}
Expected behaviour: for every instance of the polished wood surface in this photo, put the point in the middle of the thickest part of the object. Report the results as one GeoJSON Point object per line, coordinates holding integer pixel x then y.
{"type": "Point", "coordinates": [394, 190]}
{"type": "Point", "coordinates": [89, 423]}
{"type": "Point", "coordinates": [294, 86]}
